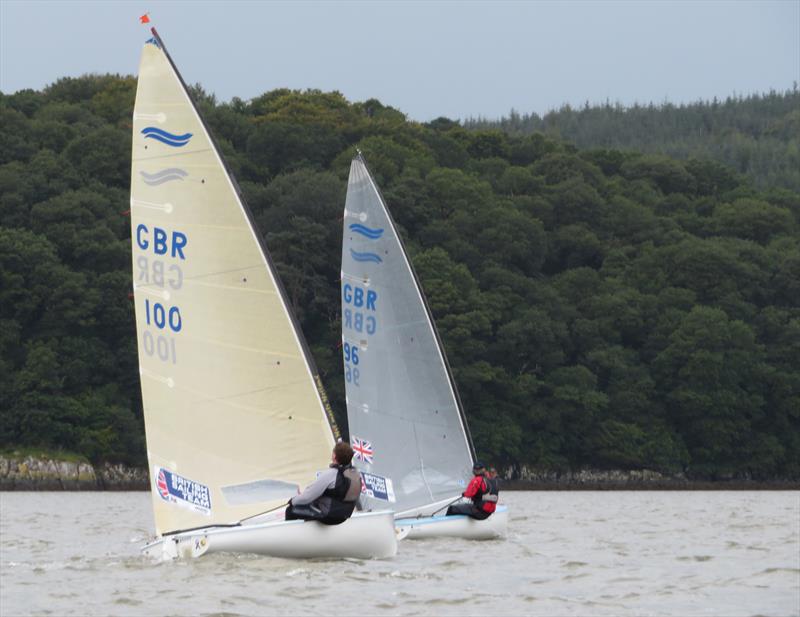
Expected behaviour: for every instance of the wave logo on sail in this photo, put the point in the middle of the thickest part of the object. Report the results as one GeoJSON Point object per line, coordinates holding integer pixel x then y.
{"type": "Point", "coordinates": [377, 487]}
{"type": "Point", "coordinates": [163, 176]}
{"type": "Point", "coordinates": [165, 137]}
{"type": "Point", "coordinates": [153, 41]}
{"type": "Point", "coordinates": [373, 257]}
{"type": "Point", "coordinates": [367, 232]}
{"type": "Point", "coordinates": [182, 491]}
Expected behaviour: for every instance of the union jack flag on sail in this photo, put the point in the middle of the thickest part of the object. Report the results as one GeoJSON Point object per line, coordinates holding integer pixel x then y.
{"type": "Point", "coordinates": [362, 450]}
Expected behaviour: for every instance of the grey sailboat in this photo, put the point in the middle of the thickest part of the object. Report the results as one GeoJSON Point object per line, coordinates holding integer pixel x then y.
{"type": "Point", "coordinates": [407, 424]}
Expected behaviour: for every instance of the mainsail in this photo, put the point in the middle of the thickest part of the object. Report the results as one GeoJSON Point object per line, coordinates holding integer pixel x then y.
{"type": "Point", "coordinates": [234, 410]}
{"type": "Point", "coordinates": [406, 423]}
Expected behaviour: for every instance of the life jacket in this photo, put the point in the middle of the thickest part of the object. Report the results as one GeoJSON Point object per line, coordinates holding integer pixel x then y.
{"type": "Point", "coordinates": [491, 497]}
{"type": "Point", "coordinates": [486, 496]}
{"type": "Point", "coordinates": [343, 495]}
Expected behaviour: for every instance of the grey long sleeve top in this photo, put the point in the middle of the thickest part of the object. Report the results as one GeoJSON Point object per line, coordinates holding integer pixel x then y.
{"type": "Point", "coordinates": [326, 480]}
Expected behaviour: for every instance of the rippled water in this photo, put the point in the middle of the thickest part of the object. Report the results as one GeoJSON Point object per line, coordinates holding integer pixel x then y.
{"type": "Point", "coordinates": [567, 553]}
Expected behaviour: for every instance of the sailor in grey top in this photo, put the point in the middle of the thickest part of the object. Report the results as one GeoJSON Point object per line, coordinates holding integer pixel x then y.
{"type": "Point", "coordinates": [325, 480]}
{"type": "Point", "coordinates": [333, 496]}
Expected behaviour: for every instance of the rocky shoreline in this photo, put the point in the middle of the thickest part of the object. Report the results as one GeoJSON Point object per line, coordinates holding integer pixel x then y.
{"type": "Point", "coordinates": [29, 473]}
{"type": "Point", "coordinates": [633, 480]}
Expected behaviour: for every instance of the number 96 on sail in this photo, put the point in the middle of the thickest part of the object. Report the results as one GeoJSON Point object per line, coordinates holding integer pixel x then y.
{"type": "Point", "coordinates": [351, 371]}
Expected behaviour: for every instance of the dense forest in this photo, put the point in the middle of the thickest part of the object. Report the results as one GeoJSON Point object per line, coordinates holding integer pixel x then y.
{"type": "Point", "coordinates": [757, 136]}
{"type": "Point", "coordinates": [600, 307]}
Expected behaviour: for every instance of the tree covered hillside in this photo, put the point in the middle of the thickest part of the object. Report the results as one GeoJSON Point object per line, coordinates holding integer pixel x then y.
{"type": "Point", "coordinates": [758, 135]}
{"type": "Point", "coordinates": [600, 308]}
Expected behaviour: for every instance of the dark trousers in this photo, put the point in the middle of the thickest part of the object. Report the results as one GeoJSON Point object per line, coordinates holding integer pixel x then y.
{"type": "Point", "coordinates": [468, 509]}
{"type": "Point", "coordinates": [303, 513]}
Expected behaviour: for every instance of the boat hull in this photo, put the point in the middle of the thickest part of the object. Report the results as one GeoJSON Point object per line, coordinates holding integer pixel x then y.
{"type": "Point", "coordinates": [362, 536]}
{"type": "Point", "coordinates": [458, 526]}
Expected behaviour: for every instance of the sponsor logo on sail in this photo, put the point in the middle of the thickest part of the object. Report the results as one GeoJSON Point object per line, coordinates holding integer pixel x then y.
{"type": "Point", "coordinates": [362, 450]}
{"type": "Point", "coordinates": [377, 487]}
{"type": "Point", "coordinates": [165, 137]}
{"type": "Point", "coordinates": [367, 232]}
{"type": "Point", "coordinates": [182, 491]}
{"type": "Point", "coordinates": [373, 257]}
{"type": "Point", "coordinates": [163, 176]}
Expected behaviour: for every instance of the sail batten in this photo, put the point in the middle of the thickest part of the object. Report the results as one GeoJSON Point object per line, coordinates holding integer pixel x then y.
{"type": "Point", "coordinates": [401, 400]}
{"type": "Point", "coordinates": [231, 396]}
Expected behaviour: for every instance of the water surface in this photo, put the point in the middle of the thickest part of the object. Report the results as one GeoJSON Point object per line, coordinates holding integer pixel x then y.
{"type": "Point", "coordinates": [567, 553]}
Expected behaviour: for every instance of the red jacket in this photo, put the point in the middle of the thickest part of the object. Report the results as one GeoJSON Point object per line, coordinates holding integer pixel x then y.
{"type": "Point", "coordinates": [476, 489]}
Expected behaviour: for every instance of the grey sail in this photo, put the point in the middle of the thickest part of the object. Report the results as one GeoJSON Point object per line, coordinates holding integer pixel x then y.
{"type": "Point", "coordinates": [406, 424]}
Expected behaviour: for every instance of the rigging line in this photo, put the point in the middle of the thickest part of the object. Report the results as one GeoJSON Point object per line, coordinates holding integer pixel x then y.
{"type": "Point", "coordinates": [266, 292]}
{"type": "Point", "coordinates": [256, 267]}
{"type": "Point", "coordinates": [253, 410]}
{"type": "Point", "coordinates": [267, 352]}
{"type": "Point", "coordinates": [229, 398]}
{"type": "Point", "coordinates": [421, 462]}
{"type": "Point", "coordinates": [386, 414]}
{"type": "Point", "coordinates": [209, 527]}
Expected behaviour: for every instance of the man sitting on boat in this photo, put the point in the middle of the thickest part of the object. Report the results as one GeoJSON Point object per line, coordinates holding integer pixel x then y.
{"type": "Point", "coordinates": [482, 491]}
{"type": "Point", "coordinates": [332, 497]}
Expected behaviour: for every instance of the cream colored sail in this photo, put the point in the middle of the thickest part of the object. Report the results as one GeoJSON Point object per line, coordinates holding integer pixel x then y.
{"type": "Point", "coordinates": [233, 407]}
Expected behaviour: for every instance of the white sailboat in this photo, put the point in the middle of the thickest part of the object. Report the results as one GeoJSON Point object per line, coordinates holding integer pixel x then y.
{"type": "Point", "coordinates": [235, 415]}
{"type": "Point", "coordinates": [407, 425]}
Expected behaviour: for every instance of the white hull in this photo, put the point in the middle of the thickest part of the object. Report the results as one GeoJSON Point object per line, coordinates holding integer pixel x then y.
{"type": "Point", "coordinates": [362, 536]}
{"type": "Point", "coordinates": [458, 526]}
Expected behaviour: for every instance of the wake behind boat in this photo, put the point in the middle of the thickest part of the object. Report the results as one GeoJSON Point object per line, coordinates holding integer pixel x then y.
{"type": "Point", "coordinates": [407, 424]}
{"type": "Point", "coordinates": [235, 415]}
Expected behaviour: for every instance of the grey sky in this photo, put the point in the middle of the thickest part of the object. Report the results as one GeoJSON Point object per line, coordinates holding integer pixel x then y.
{"type": "Point", "coordinates": [428, 59]}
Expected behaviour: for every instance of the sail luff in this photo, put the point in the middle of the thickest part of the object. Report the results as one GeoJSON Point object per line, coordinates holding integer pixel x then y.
{"type": "Point", "coordinates": [276, 280]}
{"type": "Point", "coordinates": [424, 300]}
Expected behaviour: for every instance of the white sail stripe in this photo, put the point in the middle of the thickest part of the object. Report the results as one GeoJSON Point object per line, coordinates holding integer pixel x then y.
{"type": "Point", "coordinates": [363, 280]}
{"type": "Point", "coordinates": [169, 381]}
{"type": "Point", "coordinates": [149, 289]}
{"type": "Point", "coordinates": [166, 207]}
{"type": "Point", "coordinates": [288, 316]}
{"type": "Point", "coordinates": [159, 117]}
{"type": "Point", "coordinates": [361, 343]}
{"type": "Point", "coordinates": [419, 295]}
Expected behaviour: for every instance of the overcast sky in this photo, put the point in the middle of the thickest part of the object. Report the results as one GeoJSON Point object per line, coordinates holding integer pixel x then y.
{"type": "Point", "coordinates": [428, 59]}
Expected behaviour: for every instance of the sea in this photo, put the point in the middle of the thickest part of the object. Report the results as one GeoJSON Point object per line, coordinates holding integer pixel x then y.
{"type": "Point", "coordinates": [566, 553]}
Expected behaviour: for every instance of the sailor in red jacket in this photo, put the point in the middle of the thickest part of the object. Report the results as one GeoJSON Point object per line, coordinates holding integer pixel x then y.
{"type": "Point", "coordinates": [482, 492]}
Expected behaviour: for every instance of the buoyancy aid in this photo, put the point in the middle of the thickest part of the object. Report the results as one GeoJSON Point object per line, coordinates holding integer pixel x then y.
{"type": "Point", "coordinates": [486, 495]}
{"type": "Point", "coordinates": [492, 495]}
{"type": "Point", "coordinates": [343, 495]}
